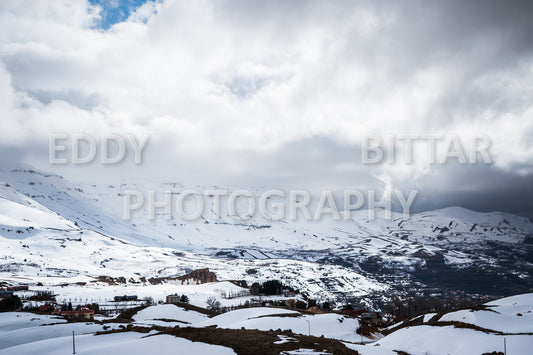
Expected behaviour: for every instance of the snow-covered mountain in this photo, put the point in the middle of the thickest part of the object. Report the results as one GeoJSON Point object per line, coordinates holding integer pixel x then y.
{"type": "Point", "coordinates": [52, 230]}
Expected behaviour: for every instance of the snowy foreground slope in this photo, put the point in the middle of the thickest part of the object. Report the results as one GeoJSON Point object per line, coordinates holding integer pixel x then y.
{"type": "Point", "coordinates": [62, 235]}
{"type": "Point", "coordinates": [120, 343]}
{"type": "Point", "coordinates": [26, 333]}
{"type": "Point", "coordinates": [331, 325]}
{"type": "Point", "coordinates": [471, 331]}
{"type": "Point", "coordinates": [476, 331]}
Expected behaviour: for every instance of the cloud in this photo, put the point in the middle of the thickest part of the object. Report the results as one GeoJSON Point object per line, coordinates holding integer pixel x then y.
{"type": "Point", "coordinates": [272, 92]}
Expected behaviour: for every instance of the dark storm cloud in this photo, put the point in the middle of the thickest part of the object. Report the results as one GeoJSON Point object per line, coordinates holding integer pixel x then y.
{"type": "Point", "coordinates": [477, 187]}
{"type": "Point", "coordinates": [475, 39]}
{"type": "Point", "coordinates": [323, 163]}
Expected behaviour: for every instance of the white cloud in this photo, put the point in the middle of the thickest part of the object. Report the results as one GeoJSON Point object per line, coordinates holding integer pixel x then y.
{"type": "Point", "coordinates": [215, 79]}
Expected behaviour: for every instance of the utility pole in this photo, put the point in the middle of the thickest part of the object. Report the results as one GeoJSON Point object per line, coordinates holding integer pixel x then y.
{"type": "Point", "coordinates": [73, 344]}
{"type": "Point", "coordinates": [504, 346]}
{"type": "Point", "coordinates": [308, 327]}
{"type": "Point", "coordinates": [361, 330]}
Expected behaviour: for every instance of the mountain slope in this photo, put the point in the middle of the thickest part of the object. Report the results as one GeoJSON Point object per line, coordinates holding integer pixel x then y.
{"type": "Point", "coordinates": [471, 331]}
{"type": "Point", "coordinates": [49, 226]}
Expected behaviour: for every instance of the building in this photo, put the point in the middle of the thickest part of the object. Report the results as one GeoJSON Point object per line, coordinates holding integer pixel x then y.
{"type": "Point", "coordinates": [352, 312]}
{"type": "Point", "coordinates": [82, 313]}
{"type": "Point", "coordinates": [372, 317]}
{"type": "Point", "coordinates": [290, 303]}
{"type": "Point", "coordinates": [197, 277]}
{"type": "Point", "coordinates": [125, 298]}
{"type": "Point", "coordinates": [48, 308]}
{"type": "Point", "coordinates": [5, 294]}
{"type": "Point", "coordinates": [173, 299]}
{"type": "Point", "coordinates": [287, 293]}
{"type": "Point", "coordinates": [42, 295]}
{"type": "Point", "coordinates": [315, 310]}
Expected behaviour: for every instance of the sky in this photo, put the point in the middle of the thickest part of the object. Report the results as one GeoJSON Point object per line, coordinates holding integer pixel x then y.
{"type": "Point", "coordinates": [114, 11]}
{"type": "Point", "coordinates": [277, 93]}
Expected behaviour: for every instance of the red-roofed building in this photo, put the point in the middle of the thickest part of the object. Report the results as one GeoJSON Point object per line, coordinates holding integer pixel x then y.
{"type": "Point", "coordinates": [83, 313]}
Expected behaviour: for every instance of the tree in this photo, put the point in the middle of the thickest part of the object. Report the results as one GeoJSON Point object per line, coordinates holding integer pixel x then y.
{"type": "Point", "coordinates": [213, 304]}
{"type": "Point", "coordinates": [184, 299]}
{"type": "Point", "coordinates": [255, 288]}
{"type": "Point", "coordinates": [95, 307]}
{"type": "Point", "coordinates": [10, 303]}
{"type": "Point", "coordinates": [301, 304]}
{"type": "Point", "coordinates": [149, 301]}
{"type": "Point", "coordinates": [272, 287]}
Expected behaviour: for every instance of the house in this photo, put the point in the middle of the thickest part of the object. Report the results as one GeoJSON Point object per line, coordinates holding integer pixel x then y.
{"type": "Point", "coordinates": [5, 294]}
{"type": "Point", "coordinates": [125, 298]}
{"type": "Point", "coordinates": [290, 303]}
{"type": "Point", "coordinates": [43, 295]}
{"type": "Point", "coordinates": [48, 308]}
{"type": "Point", "coordinates": [287, 293]}
{"type": "Point", "coordinates": [352, 312]}
{"type": "Point", "coordinates": [173, 299]}
{"type": "Point", "coordinates": [197, 277]}
{"type": "Point", "coordinates": [372, 317]}
{"type": "Point", "coordinates": [82, 313]}
{"type": "Point", "coordinates": [315, 310]}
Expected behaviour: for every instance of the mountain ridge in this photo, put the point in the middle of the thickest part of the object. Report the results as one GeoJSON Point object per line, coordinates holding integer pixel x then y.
{"type": "Point", "coordinates": [332, 260]}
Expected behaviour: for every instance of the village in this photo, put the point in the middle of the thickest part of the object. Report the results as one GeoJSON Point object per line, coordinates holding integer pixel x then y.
{"type": "Point", "coordinates": [228, 313]}
{"type": "Point", "coordinates": [271, 293]}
